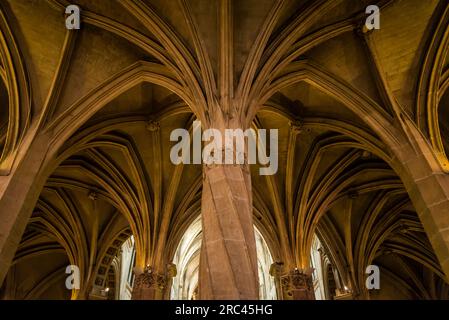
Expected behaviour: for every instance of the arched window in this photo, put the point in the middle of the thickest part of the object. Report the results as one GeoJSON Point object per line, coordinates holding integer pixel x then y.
{"type": "Point", "coordinates": [127, 261]}
{"type": "Point", "coordinates": [316, 260]}
{"type": "Point", "coordinates": [187, 260]}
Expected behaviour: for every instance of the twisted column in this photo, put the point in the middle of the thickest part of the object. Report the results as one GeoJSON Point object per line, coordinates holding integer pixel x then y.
{"type": "Point", "coordinates": [228, 266]}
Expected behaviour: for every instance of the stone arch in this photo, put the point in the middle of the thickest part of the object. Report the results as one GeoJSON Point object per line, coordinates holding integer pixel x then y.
{"type": "Point", "coordinates": [36, 164]}
{"type": "Point", "coordinates": [18, 103]}
{"type": "Point", "coordinates": [433, 83]}
{"type": "Point", "coordinates": [407, 150]}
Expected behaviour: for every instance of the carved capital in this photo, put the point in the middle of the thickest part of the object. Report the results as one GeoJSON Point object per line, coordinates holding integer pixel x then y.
{"type": "Point", "coordinates": [153, 126]}
{"type": "Point", "coordinates": [296, 126]}
{"type": "Point", "coordinates": [93, 195]}
{"type": "Point", "coordinates": [150, 280]}
{"type": "Point", "coordinates": [297, 280]}
{"type": "Point", "coordinates": [276, 269]}
{"type": "Point", "coordinates": [172, 271]}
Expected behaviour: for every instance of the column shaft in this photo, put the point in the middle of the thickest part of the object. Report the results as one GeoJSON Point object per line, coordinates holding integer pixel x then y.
{"type": "Point", "coordinates": [228, 267]}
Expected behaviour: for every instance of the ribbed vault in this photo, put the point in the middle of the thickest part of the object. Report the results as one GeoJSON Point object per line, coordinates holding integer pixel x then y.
{"type": "Point", "coordinates": [86, 116]}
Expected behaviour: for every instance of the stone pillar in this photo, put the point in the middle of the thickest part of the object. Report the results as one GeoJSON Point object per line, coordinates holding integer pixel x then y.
{"type": "Point", "coordinates": [228, 263]}
{"type": "Point", "coordinates": [19, 192]}
{"type": "Point", "coordinates": [298, 285]}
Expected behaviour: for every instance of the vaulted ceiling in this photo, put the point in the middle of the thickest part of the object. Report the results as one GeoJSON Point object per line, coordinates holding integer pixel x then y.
{"type": "Point", "coordinates": [316, 75]}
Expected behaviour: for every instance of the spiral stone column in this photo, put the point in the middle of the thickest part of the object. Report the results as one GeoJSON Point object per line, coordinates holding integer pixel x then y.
{"type": "Point", "coordinates": [228, 267]}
